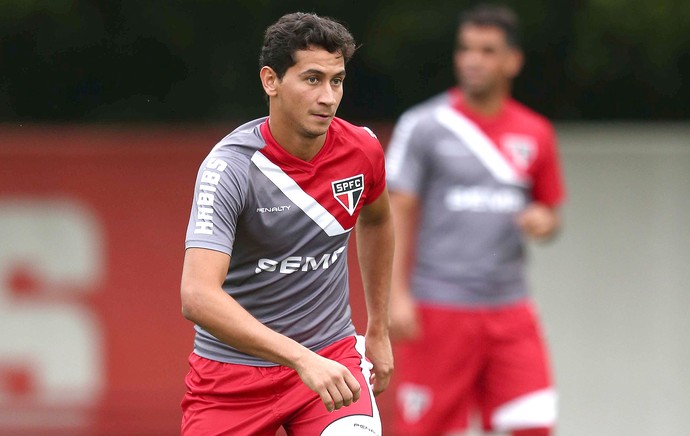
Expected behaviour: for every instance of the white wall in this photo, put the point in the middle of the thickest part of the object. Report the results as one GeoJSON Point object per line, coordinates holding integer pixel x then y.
{"type": "Point", "coordinates": [614, 288]}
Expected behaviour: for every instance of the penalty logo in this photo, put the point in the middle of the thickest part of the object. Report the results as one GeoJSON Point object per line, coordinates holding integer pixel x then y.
{"type": "Point", "coordinates": [348, 192]}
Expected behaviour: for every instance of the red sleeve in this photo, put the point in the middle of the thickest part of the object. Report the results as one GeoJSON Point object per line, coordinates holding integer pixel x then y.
{"type": "Point", "coordinates": [547, 182]}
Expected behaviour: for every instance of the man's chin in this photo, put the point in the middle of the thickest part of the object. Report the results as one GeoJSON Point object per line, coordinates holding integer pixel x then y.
{"type": "Point", "coordinates": [476, 91]}
{"type": "Point", "coordinates": [315, 132]}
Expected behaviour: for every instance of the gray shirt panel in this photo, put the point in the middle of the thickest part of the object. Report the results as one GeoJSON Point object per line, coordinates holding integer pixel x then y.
{"type": "Point", "coordinates": [284, 269]}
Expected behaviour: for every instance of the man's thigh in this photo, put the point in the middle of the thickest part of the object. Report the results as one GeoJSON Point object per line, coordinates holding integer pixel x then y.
{"type": "Point", "coordinates": [437, 373]}
{"type": "Point", "coordinates": [518, 390]}
{"type": "Point", "coordinates": [236, 399]}
{"type": "Point", "coordinates": [223, 398]}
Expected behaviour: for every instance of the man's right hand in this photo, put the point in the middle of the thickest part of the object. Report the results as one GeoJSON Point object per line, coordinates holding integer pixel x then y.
{"type": "Point", "coordinates": [403, 315]}
{"type": "Point", "coordinates": [333, 382]}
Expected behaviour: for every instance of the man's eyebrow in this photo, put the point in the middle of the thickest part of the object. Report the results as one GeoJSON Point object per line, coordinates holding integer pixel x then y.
{"type": "Point", "coordinates": [315, 72]}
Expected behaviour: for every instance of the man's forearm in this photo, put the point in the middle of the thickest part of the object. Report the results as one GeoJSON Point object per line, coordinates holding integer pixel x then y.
{"type": "Point", "coordinates": [224, 318]}
{"type": "Point", "coordinates": [375, 254]}
{"type": "Point", "coordinates": [405, 209]}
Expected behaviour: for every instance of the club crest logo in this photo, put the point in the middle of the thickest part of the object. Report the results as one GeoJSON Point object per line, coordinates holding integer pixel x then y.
{"type": "Point", "coordinates": [349, 191]}
{"type": "Point", "coordinates": [522, 149]}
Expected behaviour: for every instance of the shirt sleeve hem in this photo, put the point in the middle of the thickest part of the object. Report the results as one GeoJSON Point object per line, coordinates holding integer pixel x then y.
{"type": "Point", "coordinates": [208, 245]}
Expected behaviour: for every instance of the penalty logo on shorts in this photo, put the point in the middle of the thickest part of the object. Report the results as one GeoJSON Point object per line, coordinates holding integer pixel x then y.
{"type": "Point", "coordinates": [349, 191]}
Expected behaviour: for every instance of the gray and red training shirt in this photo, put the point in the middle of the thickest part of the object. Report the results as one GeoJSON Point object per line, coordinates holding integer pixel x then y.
{"type": "Point", "coordinates": [472, 176]}
{"type": "Point", "coordinates": [285, 222]}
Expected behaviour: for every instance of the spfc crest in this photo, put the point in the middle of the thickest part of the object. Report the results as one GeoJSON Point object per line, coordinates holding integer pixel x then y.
{"type": "Point", "coordinates": [522, 149]}
{"type": "Point", "coordinates": [349, 191]}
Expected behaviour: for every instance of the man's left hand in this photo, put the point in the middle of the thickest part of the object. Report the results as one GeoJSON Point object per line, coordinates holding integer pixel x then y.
{"type": "Point", "coordinates": [539, 221]}
{"type": "Point", "coordinates": [380, 353]}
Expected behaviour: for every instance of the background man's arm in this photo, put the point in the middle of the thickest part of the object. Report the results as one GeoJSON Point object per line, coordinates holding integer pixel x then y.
{"type": "Point", "coordinates": [404, 322]}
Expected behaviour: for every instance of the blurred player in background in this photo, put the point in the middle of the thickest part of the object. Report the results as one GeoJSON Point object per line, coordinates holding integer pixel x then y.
{"type": "Point", "coordinates": [471, 172]}
{"type": "Point", "coordinates": [265, 275]}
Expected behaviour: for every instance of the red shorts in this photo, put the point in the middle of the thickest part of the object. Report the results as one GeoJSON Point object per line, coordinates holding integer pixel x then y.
{"type": "Point", "coordinates": [493, 360]}
{"type": "Point", "coordinates": [229, 399]}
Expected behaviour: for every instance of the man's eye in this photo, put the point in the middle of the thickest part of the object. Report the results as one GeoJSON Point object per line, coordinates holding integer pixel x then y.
{"type": "Point", "coordinates": [312, 80]}
{"type": "Point", "coordinates": [337, 81]}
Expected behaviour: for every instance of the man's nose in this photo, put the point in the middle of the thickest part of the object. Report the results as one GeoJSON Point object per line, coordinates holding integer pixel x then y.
{"type": "Point", "coordinates": [327, 95]}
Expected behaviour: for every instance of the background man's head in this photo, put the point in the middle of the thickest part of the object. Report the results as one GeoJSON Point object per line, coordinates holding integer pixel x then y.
{"type": "Point", "coordinates": [487, 54]}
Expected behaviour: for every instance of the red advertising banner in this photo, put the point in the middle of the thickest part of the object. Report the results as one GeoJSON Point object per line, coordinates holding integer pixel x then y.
{"type": "Point", "coordinates": [92, 225]}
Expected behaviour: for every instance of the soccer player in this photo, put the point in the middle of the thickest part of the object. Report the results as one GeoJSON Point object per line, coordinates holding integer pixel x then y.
{"type": "Point", "coordinates": [265, 275]}
{"type": "Point", "coordinates": [471, 172]}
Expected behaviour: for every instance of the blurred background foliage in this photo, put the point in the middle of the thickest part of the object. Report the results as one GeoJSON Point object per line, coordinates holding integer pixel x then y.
{"type": "Point", "coordinates": [184, 60]}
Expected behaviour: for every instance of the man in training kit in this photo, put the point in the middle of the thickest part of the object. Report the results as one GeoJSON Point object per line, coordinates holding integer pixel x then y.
{"type": "Point", "coordinates": [265, 275]}
{"type": "Point", "coordinates": [471, 172]}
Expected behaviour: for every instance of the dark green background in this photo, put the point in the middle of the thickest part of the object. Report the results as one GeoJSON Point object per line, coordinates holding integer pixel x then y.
{"type": "Point", "coordinates": [143, 61]}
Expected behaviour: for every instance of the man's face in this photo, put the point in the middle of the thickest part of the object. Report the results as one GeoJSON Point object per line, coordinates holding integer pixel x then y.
{"type": "Point", "coordinates": [483, 60]}
{"type": "Point", "coordinates": [310, 91]}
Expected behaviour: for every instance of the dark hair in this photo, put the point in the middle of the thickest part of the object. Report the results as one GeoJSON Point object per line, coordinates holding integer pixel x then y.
{"type": "Point", "coordinates": [499, 16]}
{"type": "Point", "coordinates": [298, 31]}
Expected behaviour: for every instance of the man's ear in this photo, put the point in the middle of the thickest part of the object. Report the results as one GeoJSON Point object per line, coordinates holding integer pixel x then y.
{"type": "Point", "coordinates": [269, 80]}
{"type": "Point", "coordinates": [515, 61]}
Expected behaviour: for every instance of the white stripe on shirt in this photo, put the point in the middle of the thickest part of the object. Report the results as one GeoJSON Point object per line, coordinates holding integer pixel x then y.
{"type": "Point", "coordinates": [479, 144]}
{"type": "Point", "coordinates": [304, 201]}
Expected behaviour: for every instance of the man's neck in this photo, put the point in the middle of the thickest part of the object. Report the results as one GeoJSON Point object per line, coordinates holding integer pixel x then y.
{"type": "Point", "coordinates": [487, 105]}
{"type": "Point", "coordinates": [300, 146]}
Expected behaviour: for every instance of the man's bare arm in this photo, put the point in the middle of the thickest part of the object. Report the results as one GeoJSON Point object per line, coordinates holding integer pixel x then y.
{"type": "Point", "coordinates": [205, 303]}
{"type": "Point", "coordinates": [375, 253]}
